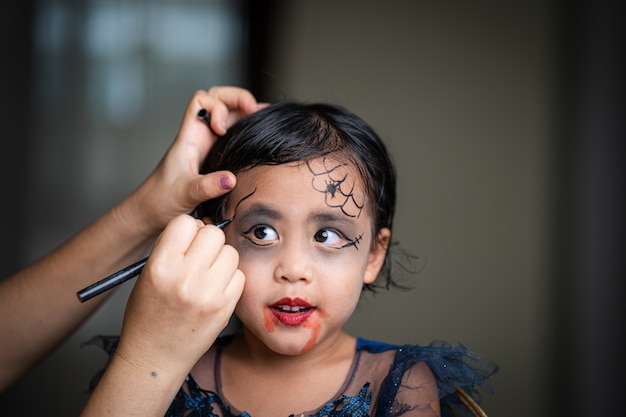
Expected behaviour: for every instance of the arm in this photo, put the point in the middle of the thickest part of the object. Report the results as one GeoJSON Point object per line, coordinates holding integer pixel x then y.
{"type": "Point", "coordinates": [42, 295]}
{"type": "Point", "coordinates": [181, 302]}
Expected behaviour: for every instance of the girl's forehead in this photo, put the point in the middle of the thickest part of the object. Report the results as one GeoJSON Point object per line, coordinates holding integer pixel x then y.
{"type": "Point", "coordinates": [334, 182]}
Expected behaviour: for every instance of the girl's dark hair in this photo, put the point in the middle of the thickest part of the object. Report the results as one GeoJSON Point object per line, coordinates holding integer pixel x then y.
{"type": "Point", "coordinates": [289, 132]}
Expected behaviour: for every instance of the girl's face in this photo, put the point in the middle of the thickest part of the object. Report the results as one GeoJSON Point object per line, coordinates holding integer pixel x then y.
{"type": "Point", "coordinates": [306, 246]}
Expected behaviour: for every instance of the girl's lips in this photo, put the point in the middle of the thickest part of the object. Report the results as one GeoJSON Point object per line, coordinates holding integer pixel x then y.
{"type": "Point", "coordinates": [292, 312]}
{"type": "Point", "coordinates": [291, 302]}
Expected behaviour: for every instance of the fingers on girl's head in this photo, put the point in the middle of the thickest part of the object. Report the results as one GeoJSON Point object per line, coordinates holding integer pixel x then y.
{"type": "Point", "coordinates": [212, 185]}
{"type": "Point", "coordinates": [235, 98]}
{"type": "Point", "coordinates": [217, 111]}
{"type": "Point", "coordinates": [221, 102]}
{"type": "Point", "coordinates": [223, 181]}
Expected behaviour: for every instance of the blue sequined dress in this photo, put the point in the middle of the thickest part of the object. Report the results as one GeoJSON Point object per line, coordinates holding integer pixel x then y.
{"type": "Point", "coordinates": [378, 384]}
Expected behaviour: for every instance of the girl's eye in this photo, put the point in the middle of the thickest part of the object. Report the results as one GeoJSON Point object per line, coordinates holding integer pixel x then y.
{"type": "Point", "coordinates": [329, 237]}
{"type": "Point", "coordinates": [261, 234]}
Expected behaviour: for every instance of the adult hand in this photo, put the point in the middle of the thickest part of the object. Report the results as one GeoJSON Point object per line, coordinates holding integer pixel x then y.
{"type": "Point", "coordinates": [175, 187]}
{"type": "Point", "coordinates": [179, 305]}
{"type": "Point", "coordinates": [183, 299]}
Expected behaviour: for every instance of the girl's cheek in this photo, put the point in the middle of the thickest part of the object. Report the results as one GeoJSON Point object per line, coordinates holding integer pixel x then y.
{"type": "Point", "coordinates": [255, 264]}
{"type": "Point", "coordinates": [257, 256]}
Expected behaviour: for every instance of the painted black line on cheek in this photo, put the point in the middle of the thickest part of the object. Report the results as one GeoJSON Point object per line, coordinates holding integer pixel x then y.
{"type": "Point", "coordinates": [356, 242]}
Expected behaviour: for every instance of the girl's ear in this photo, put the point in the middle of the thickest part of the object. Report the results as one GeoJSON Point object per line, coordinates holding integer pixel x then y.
{"type": "Point", "coordinates": [377, 256]}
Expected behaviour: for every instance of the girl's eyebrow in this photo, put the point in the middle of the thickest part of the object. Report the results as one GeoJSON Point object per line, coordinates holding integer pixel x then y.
{"type": "Point", "coordinates": [260, 210]}
{"type": "Point", "coordinates": [325, 217]}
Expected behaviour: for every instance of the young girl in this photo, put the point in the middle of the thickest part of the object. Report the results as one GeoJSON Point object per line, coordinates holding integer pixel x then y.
{"type": "Point", "coordinates": [312, 219]}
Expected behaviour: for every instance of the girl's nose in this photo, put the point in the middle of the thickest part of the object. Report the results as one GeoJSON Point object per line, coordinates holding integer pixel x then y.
{"type": "Point", "coordinates": [294, 264]}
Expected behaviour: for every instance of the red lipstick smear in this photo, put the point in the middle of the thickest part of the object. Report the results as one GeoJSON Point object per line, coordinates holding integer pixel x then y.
{"type": "Point", "coordinates": [315, 325]}
{"type": "Point", "coordinates": [270, 320]}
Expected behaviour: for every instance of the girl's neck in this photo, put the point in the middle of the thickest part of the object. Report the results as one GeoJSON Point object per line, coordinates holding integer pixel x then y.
{"type": "Point", "coordinates": [256, 377]}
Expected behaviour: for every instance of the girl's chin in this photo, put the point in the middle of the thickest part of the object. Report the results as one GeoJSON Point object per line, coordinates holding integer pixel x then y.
{"type": "Point", "coordinates": [289, 344]}
{"type": "Point", "coordinates": [288, 341]}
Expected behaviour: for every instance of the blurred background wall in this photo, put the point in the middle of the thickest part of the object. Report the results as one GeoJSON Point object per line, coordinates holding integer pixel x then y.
{"type": "Point", "coordinates": [502, 117]}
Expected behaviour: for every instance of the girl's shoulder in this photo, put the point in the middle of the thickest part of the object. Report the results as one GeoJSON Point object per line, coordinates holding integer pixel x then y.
{"type": "Point", "coordinates": [454, 368]}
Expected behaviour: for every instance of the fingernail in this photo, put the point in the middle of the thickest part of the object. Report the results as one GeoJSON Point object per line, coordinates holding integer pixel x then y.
{"type": "Point", "coordinates": [225, 183]}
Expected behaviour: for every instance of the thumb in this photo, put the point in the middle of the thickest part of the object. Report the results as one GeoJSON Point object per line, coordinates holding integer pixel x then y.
{"type": "Point", "coordinates": [213, 185]}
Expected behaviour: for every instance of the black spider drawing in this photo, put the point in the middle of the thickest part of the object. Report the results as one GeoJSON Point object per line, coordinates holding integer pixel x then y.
{"type": "Point", "coordinates": [331, 182]}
